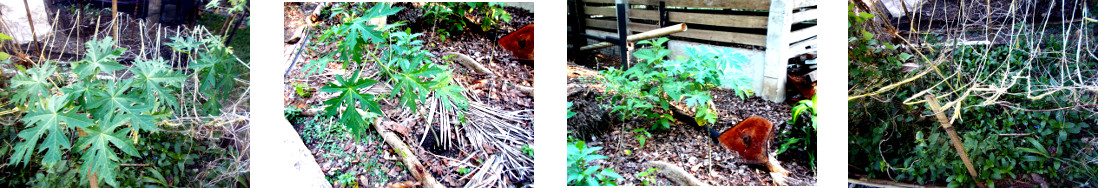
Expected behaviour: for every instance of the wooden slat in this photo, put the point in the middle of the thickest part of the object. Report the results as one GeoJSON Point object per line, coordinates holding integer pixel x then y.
{"type": "Point", "coordinates": [688, 18]}
{"type": "Point", "coordinates": [633, 13]}
{"type": "Point", "coordinates": [802, 34]}
{"type": "Point", "coordinates": [719, 20]}
{"type": "Point", "coordinates": [803, 47]}
{"type": "Point", "coordinates": [804, 3]}
{"type": "Point", "coordinates": [602, 24]}
{"type": "Point", "coordinates": [605, 11]}
{"type": "Point", "coordinates": [806, 15]}
{"type": "Point", "coordinates": [719, 36]}
{"type": "Point", "coordinates": [721, 4]}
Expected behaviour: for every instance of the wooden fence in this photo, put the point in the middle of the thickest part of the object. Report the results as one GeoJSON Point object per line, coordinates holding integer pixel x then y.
{"type": "Point", "coordinates": [785, 28]}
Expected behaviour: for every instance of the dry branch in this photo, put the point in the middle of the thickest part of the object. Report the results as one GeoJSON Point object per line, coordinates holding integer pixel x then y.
{"type": "Point", "coordinates": [529, 91]}
{"type": "Point", "coordinates": [405, 153]}
{"type": "Point", "coordinates": [882, 183]}
{"type": "Point", "coordinates": [468, 62]}
{"type": "Point", "coordinates": [675, 173]}
{"type": "Point", "coordinates": [678, 28]}
{"type": "Point", "coordinates": [777, 172]}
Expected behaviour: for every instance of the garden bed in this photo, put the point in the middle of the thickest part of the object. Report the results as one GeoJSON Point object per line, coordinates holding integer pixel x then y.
{"type": "Point", "coordinates": [369, 161]}
{"type": "Point", "coordinates": [139, 116]}
{"type": "Point", "coordinates": [1034, 128]}
{"type": "Point", "coordinates": [687, 146]}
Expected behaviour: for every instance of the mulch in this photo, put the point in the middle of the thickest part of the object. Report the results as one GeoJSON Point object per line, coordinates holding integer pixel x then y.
{"type": "Point", "coordinates": [496, 91]}
{"type": "Point", "coordinates": [683, 145]}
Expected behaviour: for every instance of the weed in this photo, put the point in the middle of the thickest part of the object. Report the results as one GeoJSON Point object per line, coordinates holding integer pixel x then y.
{"type": "Point", "coordinates": [648, 177]}
{"type": "Point", "coordinates": [450, 17]}
{"type": "Point", "coordinates": [642, 136]}
{"type": "Point", "coordinates": [581, 173]}
{"type": "Point", "coordinates": [805, 139]}
{"type": "Point", "coordinates": [905, 142]}
{"type": "Point", "coordinates": [528, 150]}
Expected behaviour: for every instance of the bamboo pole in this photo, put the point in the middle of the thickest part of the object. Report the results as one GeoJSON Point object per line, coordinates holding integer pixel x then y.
{"type": "Point", "coordinates": [30, 19]}
{"type": "Point", "coordinates": [677, 28]}
{"type": "Point", "coordinates": [956, 140]}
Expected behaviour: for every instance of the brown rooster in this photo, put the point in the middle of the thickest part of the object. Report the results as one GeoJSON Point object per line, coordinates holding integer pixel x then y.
{"type": "Point", "coordinates": [750, 138]}
{"type": "Point", "coordinates": [520, 42]}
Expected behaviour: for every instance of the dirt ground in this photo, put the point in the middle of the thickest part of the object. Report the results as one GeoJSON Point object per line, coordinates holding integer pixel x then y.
{"type": "Point", "coordinates": [688, 147]}
{"type": "Point", "coordinates": [443, 164]}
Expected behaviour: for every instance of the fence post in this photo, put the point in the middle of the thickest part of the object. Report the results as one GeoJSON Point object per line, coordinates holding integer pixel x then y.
{"type": "Point", "coordinates": [623, 32]}
{"type": "Point", "coordinates": [577, 19]}
{"type": "Point", "coordinates": [664, 18]}
{"type": "Point", "coordinates": [778, 28]}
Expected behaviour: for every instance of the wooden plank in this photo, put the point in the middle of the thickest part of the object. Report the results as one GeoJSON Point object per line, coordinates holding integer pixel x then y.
{"type": "Point", "coordinates": [806, 15]}
{"type": "Point", "coordinates": [719, 20]}
{"type": "Point", "coordinates": [803, 47]}
{"type": "Point", "coordinates": [631, 2]}
{"type": "Point", "coordinates": [602, 24]}
{"type": "Point", "coordinates": [720, 4]}
{"type": "Point", "coordinates": [804, 3]}
{"type": "Point", "coordinates": [605, 11]}
{"type": "Point", "coordinates": [802, 34]}
{"type": "Point", "coordinates": [719, 36]}
{"type": "Point", "coordinates": [688, 18]}
{"type": "Point", "coordinates": [633, 13]}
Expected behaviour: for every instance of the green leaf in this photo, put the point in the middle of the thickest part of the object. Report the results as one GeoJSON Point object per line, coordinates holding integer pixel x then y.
{"type": "Point", "coordinates": [450, 94]}
{"type": "Point", "coordinates": [184, 44]}
{"type": "Point", "coordinates": [905, 56]}
{"type": "Point", "coordinates": [114, 99]}
{"type": "Point", "coordinates": [316, 66]}
{"type": "Point", "coordinates": [30, 86]}
{"type": "Point", "coordinates": [154, 78]}
{"type": "Point", "coordinates": [46, 119]}
{"type": "Point", "coordinates": [349, 97]}
{"type": "Point", "coordinates": [100, 157]}
{"type": "Point", "coordinates": [101, 56]}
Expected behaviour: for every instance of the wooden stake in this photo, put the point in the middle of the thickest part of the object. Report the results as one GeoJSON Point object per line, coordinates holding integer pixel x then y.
{"type": "Point", "coordinates": [30, 19]}
{"type": "Point", "coordinates": [114, 20]}
{"type": "Point", "coordinates": [956, 140]}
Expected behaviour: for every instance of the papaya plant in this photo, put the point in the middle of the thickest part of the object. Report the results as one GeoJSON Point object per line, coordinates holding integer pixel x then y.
{"type": "Point", "coordinates": [215, 67]}
{"type": "Point", "coordinates": [402, 62]}
{"type": "Point", "coordinates": [108, 113]}
{"type": "Point", "coordinates": [655, 82]}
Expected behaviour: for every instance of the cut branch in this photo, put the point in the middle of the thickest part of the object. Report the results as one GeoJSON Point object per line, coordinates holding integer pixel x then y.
{"type": "Point", "coordinates": [405, 153]}
{"type": "Point", "coordinates": [529, 91]}
{"type": "Point", "coordinates": [675, 173]}
{"type": "Point", "coordinates": [469, 62]}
